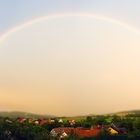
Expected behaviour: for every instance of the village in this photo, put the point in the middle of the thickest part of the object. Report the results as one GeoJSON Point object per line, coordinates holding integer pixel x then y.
{"type": "Point", "coordinates": [63, 128]}
{"type": "Point", "coordinates": [98, 127]}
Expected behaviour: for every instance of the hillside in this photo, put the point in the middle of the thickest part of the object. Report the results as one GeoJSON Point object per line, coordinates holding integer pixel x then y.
{"type": "Point", "coordinates": [124, 113]}
{"type": "Point", "coordinates": [16, 114]}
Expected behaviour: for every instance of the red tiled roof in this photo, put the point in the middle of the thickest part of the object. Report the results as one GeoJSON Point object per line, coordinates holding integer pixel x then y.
{"type": "Point", "coordinates": [87, 132]}
{"type": "Point", "coordinates": [21, 120]}
{"type": "Point", "coordinates": [80, 132]}
{"type": "Point", "coordinates": [42, 122]}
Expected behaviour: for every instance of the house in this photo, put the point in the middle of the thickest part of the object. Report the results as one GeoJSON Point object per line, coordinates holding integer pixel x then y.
{"type": "Point", "coordinates": [62, 131]}
{"type": "Point", "coordinates": [112, 131]}
{"type": "Point", "coordinates": [21, 120]}
{"type": "Point", "coordinates": [8, 121]}
{"type": "Point", "coordinates": [79, 131]}
{"type": "Point", "coordinates": [115, 129]}
{"type": "Point", "coordinates": [36, 122]}
{"type": "Point", "coordinates": [82, 132]}
{"type": "Point", "coordinates": [50, 121]}
{"type": "Point", "coordinates": [63, 135]}
{"type": "Point", "coordinates": [42, 122]}
{"type": "Point", "coordinates": [120, 130]}
{"type": "Point", "coordinates": [72, 122]}
{"type": "Point", "coordinates": [123, 131]}
{"type": "Point", "coordinates": [60, 121]}
{"type": "Point", "coordinates": [30, 120]}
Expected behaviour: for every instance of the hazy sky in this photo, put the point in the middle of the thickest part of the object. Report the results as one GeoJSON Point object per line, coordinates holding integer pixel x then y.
{"type": "Point", "coordinates": [72, 63]}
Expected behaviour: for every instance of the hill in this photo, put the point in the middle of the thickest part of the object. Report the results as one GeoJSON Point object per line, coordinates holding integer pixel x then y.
{"type": "Point", "coordinates": [129, 112]}
{"type": "Point", "coordinates": [16, 114]}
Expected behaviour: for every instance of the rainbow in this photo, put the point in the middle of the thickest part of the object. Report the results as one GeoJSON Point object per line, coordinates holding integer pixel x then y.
{"type": "Point", "coordinates": [43, 18]}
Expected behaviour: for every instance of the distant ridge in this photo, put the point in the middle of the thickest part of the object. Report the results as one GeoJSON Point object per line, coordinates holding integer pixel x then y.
{"type": "Point", "coordinates": [127, 112]}
{"type": "Point", "coordinates": [121, 113]}
{"type": "Point", "coordinates": [15, 114]}
{"type": "Point", "coordinates": [134, 112]}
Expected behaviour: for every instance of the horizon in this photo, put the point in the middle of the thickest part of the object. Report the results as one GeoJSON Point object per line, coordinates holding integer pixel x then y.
{"type": "Point", "coordinates": [90, 114]}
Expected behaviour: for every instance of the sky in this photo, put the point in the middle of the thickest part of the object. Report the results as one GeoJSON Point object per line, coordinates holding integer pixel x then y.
{"type": "Point", "coordinates": [69, 57]}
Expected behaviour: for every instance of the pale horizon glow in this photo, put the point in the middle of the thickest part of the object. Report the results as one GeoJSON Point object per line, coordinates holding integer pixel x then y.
{"type": "Point", "coordinates": [70, 65]}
